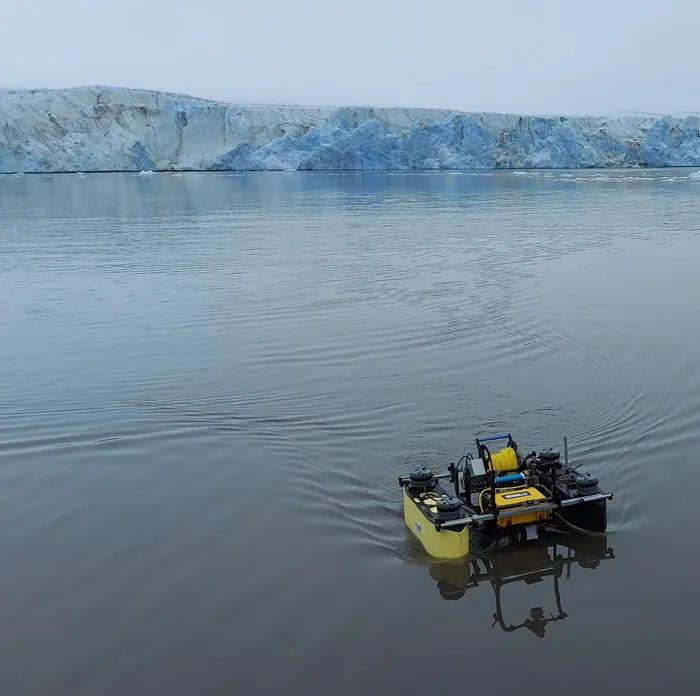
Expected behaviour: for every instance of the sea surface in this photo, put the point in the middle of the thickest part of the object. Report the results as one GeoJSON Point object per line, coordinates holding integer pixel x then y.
{"type": "Point", "coordinates": [210, 383]}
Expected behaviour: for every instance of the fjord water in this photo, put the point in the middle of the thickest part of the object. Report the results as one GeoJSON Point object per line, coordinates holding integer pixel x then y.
{"type": "Point", "coordinates": [210, 384]}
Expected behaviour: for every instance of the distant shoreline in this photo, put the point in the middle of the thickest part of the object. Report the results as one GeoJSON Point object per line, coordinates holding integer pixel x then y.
{"type": "Point", "coordinates": [120, 130]}
{"type": "Point", "coordinates": [320, 172]}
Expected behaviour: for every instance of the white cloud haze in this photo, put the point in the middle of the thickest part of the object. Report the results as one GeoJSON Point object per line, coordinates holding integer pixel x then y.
{"type": "Point", "coordinates": [529, 57]}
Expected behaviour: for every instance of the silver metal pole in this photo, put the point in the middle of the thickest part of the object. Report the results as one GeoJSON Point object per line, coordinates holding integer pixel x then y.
{"type": "Point", "coordinates": [526, 509]}
{"type": "Point", "coordinates": [587, 499]}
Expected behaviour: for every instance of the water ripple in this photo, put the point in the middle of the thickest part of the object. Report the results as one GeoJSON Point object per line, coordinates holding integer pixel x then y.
{"type": "Point", "coordinates": [212, 382]}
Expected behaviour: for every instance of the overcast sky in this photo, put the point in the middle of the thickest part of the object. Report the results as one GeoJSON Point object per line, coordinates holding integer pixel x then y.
{"type": "Point", "coordinates": [544, 56]}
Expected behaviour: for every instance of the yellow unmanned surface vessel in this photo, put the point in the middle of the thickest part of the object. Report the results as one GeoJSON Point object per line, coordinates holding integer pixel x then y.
{"type": "Point", "coordinates": [499, 492]}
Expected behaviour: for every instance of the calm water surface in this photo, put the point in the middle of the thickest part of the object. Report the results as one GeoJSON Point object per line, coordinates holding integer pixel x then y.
{"type": "Point", "coordinates": [210, 383]}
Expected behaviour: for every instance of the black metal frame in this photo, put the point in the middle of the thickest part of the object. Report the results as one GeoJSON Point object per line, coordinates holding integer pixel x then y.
{"type": "Point", "coordinates": [482, 448]}
{"type": "Point", "coordinates": [554, 501]}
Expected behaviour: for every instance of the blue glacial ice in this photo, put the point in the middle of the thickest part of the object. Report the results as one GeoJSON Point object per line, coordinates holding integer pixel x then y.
{"type": "Point", "coordinates": [114, 129]}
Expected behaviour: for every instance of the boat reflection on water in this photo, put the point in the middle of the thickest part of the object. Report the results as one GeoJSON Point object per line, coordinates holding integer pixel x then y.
{"type": "Point", "coordinates": [551, 555]}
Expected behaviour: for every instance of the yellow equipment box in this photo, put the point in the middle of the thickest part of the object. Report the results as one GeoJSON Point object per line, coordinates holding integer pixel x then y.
{"type": "Point", "coordinates": [516, 499]}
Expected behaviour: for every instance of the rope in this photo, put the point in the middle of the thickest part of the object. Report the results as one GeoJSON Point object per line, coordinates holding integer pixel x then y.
{"type": "Point", "coordinates": [505, 460]}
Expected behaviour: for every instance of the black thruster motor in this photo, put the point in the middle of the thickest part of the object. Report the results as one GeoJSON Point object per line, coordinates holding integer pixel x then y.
{"type": "Point", "coordinates": [421, 480]}
{"type": "Point", "coordinates": [584, 483]}
{"type": "Point", "coordinates": [448, 508]}
{"type": "Point", "coordinates": [548, 456]}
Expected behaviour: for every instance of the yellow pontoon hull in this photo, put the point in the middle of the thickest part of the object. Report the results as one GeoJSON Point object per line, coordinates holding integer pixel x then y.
{"type": "Point", "coordinates": [445, 543]}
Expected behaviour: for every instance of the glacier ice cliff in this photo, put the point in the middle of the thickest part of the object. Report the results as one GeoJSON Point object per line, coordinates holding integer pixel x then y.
{"type": "Point", "coordinates": [115, 129]}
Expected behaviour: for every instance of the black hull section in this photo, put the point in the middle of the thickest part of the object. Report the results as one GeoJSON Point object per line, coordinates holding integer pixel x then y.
{"type": "Point", "coordinates": [593, 516]}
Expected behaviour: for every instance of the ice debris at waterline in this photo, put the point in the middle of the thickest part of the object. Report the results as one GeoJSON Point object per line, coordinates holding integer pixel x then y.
{"type": "Point", "coordinates": [113, 129]}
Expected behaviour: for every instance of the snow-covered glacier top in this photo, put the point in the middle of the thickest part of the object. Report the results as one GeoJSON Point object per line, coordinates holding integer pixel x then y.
{"type": "Point", "coordinates": [115, 129]}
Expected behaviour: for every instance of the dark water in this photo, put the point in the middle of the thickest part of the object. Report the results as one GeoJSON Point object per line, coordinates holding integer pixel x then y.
{"type": "Point", "coordinates": [210, 384]}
